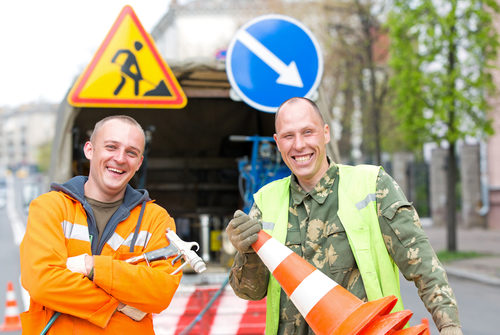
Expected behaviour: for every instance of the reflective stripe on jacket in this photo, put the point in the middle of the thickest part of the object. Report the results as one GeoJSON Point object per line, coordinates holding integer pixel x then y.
{"type": "Point", "coordinates": [358, 214]}
{"type": "Point", "coordinates": [57, 229]}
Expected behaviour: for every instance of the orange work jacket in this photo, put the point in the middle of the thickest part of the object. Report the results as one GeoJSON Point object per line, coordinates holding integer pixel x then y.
{"type": "Point", "coordinates": [58, 228]}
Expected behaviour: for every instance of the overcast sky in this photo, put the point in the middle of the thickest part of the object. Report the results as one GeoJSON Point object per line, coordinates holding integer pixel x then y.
{"type": "Point", "coordinates": [44, 45]}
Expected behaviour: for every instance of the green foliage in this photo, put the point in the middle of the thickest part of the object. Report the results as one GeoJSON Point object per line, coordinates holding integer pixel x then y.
{"type": "Point", "coordinates": [446, 256]}
{"type": "Point", "coordinates": [43, 156]}
{"type": "Point", "coordinates": [441, 51]}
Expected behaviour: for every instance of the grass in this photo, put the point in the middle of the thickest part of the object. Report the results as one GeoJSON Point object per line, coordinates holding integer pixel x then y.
{"type": "Point", "coordinates": [446, 256]}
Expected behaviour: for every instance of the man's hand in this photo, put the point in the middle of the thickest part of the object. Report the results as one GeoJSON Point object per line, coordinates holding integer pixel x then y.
{"type": "Point", "coordinates": [451, 330]}
{"type": "Point", "coordinates": [131, 312]}
{"type": "Point", "coordinates": [242, 231]}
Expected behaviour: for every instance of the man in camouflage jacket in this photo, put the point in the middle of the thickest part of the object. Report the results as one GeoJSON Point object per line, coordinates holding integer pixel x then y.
{"type": "Point", "coordinates": [316, 233]}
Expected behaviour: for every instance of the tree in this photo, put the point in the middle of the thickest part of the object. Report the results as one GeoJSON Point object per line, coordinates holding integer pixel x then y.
{"type": "Point", "coordinates": [361, 52]}
{"type": "Point", "coordinates": [376, 85]}
{"type": "Point", "coordinates": [43, 156]}
{"type": "Point", "coordinates": [440, 54]}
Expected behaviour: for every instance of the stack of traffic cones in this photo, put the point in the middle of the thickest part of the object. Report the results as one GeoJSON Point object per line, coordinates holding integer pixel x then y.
{"type": "Point", "coordinates": [12, 320]}
{"type": "Point", "coordinates": [328, 308]}
{"type": "Point", "coordinates": [425, 321]}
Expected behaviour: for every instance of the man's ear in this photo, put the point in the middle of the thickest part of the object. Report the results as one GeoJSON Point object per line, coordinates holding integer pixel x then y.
{"type": "Point", "coordinates": [88, 150]}
{"type": "Point", "coordinates": [327, 133]}
{"type": "Point", "coordinates": [140, 164]}
{"type": "Point", "coordinates": [275, 136]}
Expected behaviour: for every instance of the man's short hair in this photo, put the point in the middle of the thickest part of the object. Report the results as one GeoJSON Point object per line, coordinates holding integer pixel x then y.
{"type": "Point", "coordinates": [295, 100]}
{"type": "Point", "coordinates": [124, 118]}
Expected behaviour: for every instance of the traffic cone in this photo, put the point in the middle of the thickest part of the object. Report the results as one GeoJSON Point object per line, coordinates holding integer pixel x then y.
{"type": "Point", "coordinates": [328, 308]}
{"type": "Point", "coordinates": [12, 320]}
{"type": "Point", "coordinates": [420, 329]}
{"type": "Point", "coordinates": [425, 321]}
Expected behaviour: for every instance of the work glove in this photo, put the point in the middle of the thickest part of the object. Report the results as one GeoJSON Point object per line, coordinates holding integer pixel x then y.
{"type": "Point", "coordinates": [77, 264]}
{"type": "Point", "coordinates": [131, 312]}
{"type": "Point", "coordinates": [242, 231]}
{"type": "Point", "coordinates": [451, 330]}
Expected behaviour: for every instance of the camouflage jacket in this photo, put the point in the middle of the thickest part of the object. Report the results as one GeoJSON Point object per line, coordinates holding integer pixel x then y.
{"type": "Point", "coordinates": [316, 233]}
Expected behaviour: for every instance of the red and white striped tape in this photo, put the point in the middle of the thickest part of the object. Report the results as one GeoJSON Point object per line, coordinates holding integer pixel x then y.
{"type": "Point", "coordinates": [229, 314]}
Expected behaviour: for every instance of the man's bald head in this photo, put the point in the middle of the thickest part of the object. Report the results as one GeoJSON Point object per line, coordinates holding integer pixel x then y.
{"type": "Point", "coordinates": [295, 100]}
{"type": "Point", "coordinates": [124, 118]}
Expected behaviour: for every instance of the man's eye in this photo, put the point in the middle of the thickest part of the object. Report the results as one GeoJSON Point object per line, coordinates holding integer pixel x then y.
{"type": "Point", "coordinates": [110, 147]}
{"type": "Point", "coordinates": [132, 153]}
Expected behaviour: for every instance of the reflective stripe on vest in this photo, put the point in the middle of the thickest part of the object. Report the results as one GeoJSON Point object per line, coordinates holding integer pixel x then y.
{"type": "Point", "coordinates": [357, 212]}
{"type": "Point", "coordinates": [116, 240]}
{"type": "Point", "coordinates": [75, 231]}
{"type": "Point", "coordinates": [80, 232]}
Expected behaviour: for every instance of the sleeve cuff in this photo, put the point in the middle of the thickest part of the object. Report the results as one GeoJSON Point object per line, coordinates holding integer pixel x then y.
{"type": "Point", "coordinates": [102, 316]}
{"type": "Point", "coordinates": [102, 272]}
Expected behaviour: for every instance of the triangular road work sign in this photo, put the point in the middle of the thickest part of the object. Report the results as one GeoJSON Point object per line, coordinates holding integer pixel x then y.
{"type": "Point", "coordinates": [127, 71]}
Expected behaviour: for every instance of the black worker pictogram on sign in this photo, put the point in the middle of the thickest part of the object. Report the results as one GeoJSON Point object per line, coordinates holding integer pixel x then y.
{"type": "Point", "coordinates": [127, 71]}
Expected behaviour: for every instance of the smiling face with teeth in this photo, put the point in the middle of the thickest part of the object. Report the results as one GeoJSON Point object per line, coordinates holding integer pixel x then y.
{"type": "Point", "coordinates": [301, 137]}
{"type": "Point", "coordinates": [115, 153]}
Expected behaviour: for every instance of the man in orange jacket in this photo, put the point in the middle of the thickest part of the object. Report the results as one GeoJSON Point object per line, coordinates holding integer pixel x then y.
{"type": "Point", "coordinates": [78, 235]}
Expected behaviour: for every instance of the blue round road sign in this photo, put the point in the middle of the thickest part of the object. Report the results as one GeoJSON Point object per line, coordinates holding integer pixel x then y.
{"type": "Point", "coordinates": [273, 58]}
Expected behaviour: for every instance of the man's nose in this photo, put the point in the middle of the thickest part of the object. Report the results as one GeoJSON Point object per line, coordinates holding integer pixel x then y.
{"type": "Point", "coordinates": [299, 142]}
{"type": "Point", "coordinates": [120, 156]}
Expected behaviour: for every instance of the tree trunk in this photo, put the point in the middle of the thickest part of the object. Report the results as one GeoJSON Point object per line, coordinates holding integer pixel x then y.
{"type": "Point", "coordinates": [451, 199]}
{"type": "Point", "coordinates": [452, 162]}
{"type": "Point", "coordinates": [369, 37]}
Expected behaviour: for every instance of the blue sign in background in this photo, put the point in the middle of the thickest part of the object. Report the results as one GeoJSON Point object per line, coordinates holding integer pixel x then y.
{"type": "Point", "coordinates": [255, 81]}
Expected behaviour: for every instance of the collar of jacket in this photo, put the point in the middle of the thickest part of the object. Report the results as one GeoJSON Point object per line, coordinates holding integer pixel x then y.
{"type": "Point", "coordinates": [75, 189]}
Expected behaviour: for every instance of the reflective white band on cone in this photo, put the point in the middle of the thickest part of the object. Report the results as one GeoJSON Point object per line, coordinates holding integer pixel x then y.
{"type": "Point", "coordinates": [311, 290]}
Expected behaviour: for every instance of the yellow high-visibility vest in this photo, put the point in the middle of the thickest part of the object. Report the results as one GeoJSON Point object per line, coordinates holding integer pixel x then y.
{"type": "Point", "coordinates": [358, 214]}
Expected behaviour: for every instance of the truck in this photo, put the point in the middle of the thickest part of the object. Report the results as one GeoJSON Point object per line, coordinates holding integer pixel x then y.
{"type": "Point", "coordinates": [195, 156]}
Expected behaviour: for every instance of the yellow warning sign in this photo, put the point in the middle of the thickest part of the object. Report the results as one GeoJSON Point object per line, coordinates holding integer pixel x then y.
{"type": "Point", "coordinates": [127, 71]}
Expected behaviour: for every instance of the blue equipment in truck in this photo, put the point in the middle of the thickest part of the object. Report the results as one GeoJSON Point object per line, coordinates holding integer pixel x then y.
{"type": "Point", "coordinates": [264, 166]}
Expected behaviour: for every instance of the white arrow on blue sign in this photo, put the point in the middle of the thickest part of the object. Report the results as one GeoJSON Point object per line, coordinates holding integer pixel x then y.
{"type": "Point", "coordinates": [273, 58]}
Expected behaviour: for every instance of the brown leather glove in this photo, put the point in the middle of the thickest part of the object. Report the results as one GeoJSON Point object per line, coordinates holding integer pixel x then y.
{"type": "Point", "coordinates": [131, 312]}
{"type": "Point", "coordinates": [242, 231]}
{"type": "Point", "coordinates": [451, 330]}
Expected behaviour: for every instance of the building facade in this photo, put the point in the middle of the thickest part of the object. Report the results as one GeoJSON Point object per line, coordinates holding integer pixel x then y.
{"type": "Point", "coordinates": [23, 131]}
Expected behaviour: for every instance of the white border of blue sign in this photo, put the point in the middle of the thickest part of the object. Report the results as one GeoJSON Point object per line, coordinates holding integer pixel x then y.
{"type": "Point", "coordinates": [229, 71]}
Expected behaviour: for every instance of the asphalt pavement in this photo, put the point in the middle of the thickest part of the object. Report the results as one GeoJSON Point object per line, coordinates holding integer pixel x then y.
{"type": "Point", "coordinates": [484, 269]}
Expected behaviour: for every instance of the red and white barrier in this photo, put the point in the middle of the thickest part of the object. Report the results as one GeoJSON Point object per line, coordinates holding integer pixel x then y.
{"type": "Point", "coordinates": [229, 315]}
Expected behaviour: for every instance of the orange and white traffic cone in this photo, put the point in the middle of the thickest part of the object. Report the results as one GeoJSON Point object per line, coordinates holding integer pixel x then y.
{"type": "Point", "coordinates": [328, 308]}
{"type": "Point", "coordinates": [12, 320]}
{"type": "Point", "coordinates": [425, 321]}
